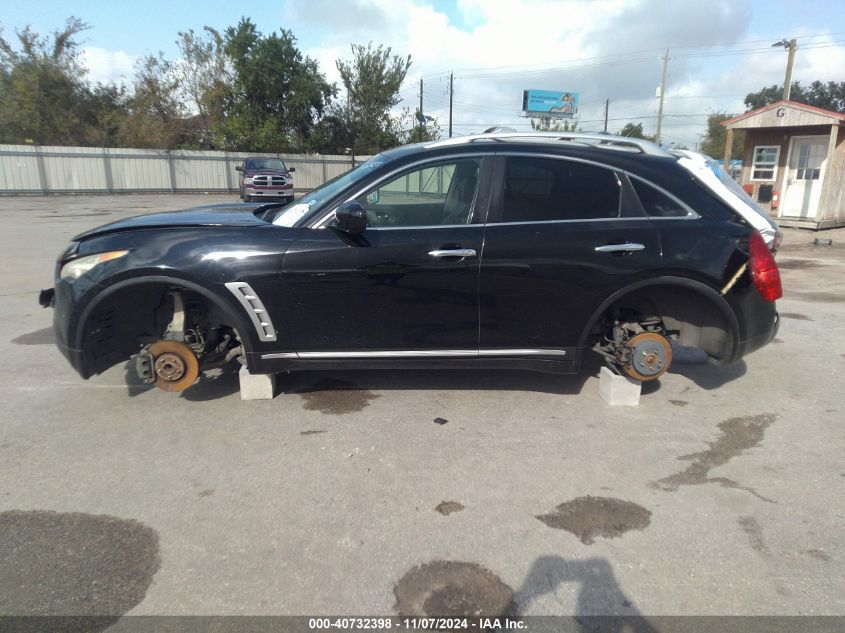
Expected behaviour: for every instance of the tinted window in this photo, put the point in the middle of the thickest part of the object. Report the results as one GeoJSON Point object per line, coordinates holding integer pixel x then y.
{"type": "Point", "coordinates": [655, 203]}
{"type": "Point", "coordinates": [437, 194]}
{"type": "Point", "coordinates": [543, 189]}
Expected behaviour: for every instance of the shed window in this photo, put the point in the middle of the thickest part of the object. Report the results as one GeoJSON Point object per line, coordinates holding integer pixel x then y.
{"type": "Point", "coordinates": [765, 163]}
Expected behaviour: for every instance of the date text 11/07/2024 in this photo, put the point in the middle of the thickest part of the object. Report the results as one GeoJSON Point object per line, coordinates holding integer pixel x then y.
{"type": "Point", "coordinates": [420, 623]}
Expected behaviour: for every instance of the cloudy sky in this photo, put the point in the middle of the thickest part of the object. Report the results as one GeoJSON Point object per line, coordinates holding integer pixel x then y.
{"type": "Point", "coordinates": [602, 49]}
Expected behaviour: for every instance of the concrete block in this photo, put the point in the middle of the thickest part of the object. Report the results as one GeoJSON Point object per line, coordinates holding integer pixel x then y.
{"type": "Point", "coordinates": [618, 390]}
{"type": "Point", "coordinates": [257, 386]}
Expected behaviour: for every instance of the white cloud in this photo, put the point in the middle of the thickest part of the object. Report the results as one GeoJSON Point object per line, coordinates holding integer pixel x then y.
{"type": "Point", "coordinates": [601, 49]}
{"type": "Point", "coordinates": [107, 66]}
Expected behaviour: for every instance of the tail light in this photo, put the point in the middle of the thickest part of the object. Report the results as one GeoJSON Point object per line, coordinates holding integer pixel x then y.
{"type": "Point", "coordinates": [764, 270]}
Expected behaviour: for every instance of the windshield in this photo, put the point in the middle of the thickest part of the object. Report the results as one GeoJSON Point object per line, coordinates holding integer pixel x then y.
{"type": "Point", "coordinates": [316, 199]}
{"type": "Point", "coordinates": [265, 163]}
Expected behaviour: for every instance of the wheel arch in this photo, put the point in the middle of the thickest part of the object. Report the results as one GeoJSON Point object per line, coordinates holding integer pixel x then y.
{"type": "Point", "coordinates": [233, 315]}
{"type": "Point", "coordinates": [657, 289]}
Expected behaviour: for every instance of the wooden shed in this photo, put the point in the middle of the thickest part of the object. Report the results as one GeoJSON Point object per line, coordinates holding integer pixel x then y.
{"type": "Point", "coordinates": [794, 162]}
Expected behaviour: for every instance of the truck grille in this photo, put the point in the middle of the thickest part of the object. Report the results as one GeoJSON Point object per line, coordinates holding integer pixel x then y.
{"type": "Point", "coordinates": [268, 181]}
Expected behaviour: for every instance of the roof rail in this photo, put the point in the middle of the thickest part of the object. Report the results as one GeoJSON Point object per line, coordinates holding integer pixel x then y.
{"type": "Point", "coordinates": [593, 139]}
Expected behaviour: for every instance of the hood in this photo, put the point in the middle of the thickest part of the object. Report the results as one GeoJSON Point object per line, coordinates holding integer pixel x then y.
{"type": "Point", "coordinates": [269, 172]}
{"type": "Point", "coordinates": [218, 215]}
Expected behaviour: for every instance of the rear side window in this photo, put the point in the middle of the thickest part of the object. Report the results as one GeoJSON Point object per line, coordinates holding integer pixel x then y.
{"type": "Point", "coordinates": [546, 189]}
{"type": "Point", "coordinates": [656, 203]}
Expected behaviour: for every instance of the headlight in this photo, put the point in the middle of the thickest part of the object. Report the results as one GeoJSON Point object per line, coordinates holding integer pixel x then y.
{"type": "Point", "coordinates": [247, 181]}
{"type": "Point", "coordinates": [76, 268]}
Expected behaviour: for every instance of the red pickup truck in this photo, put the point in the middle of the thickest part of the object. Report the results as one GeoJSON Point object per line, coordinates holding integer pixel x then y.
{"type": "Point", "coordinates": [265, 177]}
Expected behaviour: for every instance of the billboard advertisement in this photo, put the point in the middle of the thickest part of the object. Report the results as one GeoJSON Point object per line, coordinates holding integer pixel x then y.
{"type": "Point", "coordinates": [550, 103]}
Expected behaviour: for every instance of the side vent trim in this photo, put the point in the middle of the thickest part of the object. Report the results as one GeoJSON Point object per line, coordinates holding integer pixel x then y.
{"type": "Point", "coordinates": [254, 308]}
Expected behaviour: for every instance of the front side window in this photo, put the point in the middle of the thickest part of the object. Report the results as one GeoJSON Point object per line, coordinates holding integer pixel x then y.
{"type": "Point", "coordinates": [765, 162]}
{"type": "Point", "coordinates": [434, 195]}
{"type": "Point", "coordinates": [545, 190]}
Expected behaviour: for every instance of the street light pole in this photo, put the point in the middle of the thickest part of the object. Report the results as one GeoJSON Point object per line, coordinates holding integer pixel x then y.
{"type": "Point", "coordinates": [791, 46]}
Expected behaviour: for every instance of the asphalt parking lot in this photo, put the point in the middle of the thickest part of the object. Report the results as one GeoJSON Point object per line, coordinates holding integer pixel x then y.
{"type": "Point", "coordinates": [721, 493]}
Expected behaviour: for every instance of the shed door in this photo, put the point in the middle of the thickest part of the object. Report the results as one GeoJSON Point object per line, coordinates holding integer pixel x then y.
{"type": "Point", "coordinates": [805, 171]}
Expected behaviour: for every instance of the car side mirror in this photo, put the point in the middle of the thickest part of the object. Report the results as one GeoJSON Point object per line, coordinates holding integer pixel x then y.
{"type": "Point", "coordinates": [291, 169]}
{"type": "Point", "coordinates": [351, 218]}
{"type": "Point", "coordinates": [238, 168]}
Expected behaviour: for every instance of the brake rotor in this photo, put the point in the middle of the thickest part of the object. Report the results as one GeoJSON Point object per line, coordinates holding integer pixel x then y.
{"type": "Point", "coordinates": [175, 366]}
{"type": "Point", "coordinates": [651, 355]}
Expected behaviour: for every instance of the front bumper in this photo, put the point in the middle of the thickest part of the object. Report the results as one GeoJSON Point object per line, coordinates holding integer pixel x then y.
{"type": "Point", "coordinates": [265, 192]}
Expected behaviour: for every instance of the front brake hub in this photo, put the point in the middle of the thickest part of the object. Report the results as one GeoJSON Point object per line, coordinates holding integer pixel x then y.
{"type": "Point", "coordinates": [650, 356]}
{"type": "Point", "coordinates": [175, 366]}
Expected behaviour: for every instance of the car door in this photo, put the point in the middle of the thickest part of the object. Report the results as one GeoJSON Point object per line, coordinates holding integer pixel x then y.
{"type": "Point", "coordinates": [563, 235]}
{"type": "Point", "coordinates": [408, 285]}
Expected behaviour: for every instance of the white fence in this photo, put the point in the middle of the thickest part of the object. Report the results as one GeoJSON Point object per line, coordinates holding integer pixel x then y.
{"type": "Point", "coordinates": [46, 169]}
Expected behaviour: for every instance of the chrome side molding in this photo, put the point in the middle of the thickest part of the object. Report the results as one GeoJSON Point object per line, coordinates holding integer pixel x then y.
{"type": "Point", "coordinates": [436, 353]}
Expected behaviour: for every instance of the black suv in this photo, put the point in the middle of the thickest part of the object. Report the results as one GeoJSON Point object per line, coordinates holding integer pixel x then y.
{"type": "Point", "coordinates": [506, 250]}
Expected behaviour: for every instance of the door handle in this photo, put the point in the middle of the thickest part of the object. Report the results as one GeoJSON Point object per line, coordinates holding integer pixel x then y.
{"type": "Point", "coordinates": [627, 247]}
{"type": "Point", "coordinates": [455, 252]}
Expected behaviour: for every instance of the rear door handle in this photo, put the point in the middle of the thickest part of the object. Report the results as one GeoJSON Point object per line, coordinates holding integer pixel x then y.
{"type": "Point", "coordinates": [455, 252]}
{"type": "Point", "coordinates": [620, 248]}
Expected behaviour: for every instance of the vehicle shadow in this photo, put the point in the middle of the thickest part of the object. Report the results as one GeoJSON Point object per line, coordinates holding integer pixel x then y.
{"type": "Point", "coordinates": [438, 380]}
{"type": "Point", "coordinates": [709, 376]}
{"type": "Point", "coordinates": [212, 385]}
{"type": "Point", "coordinates": [602, 605]}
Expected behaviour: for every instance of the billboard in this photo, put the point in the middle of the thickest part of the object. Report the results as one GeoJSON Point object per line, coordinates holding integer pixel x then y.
{"type": "Point", "coordinates": [550, 103]}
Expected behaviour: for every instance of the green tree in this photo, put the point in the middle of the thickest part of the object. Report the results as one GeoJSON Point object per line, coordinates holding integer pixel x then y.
{"type": "Point", "coordinates": [42, 86]}
{"type": "Point", "coordinates": [372, 79]}
{"type": "Point", "coordinates": [713, 143]}
{"type": "Point", "coordinates": [407, 128]}
{"type": "Point", "coordinates": [635, 130]}
{"type": "Point", "coordinates": [105, 108]}
{"type": "Point", "coordinates": [276, 96]}
{"type": "Point", "coordinates": [155, 112]}
{"type": "Point", "coordinates": [830, 95]}
{"type": "Point", "coordinates": [204, 79]}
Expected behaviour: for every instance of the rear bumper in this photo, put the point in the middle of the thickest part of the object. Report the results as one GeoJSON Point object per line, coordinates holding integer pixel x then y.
{"type": "Point", "coordinates": [760, 340]}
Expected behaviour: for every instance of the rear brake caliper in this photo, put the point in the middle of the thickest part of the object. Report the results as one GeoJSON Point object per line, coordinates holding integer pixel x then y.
{"type": "Point", "coordinates": [640, 348]}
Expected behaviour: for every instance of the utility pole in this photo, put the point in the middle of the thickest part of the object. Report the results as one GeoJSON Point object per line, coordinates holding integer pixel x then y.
{"type": "Point", "coordinates": [606, 109]}
{"type": "Point", "coordinates": [451, 92]}
{"type": "Point", "coordinates": [792, 46]}
{"type": "Point", "coordinates": [662, 93]}
{"type": "Point", "coordinates": [422, 119]}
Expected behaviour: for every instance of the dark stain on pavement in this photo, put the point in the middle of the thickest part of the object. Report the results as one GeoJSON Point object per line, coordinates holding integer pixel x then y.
{"type": "Point", "coordinates": [777, 341]}
{"type": "Point", "coordinates": [679, 403]}
{"type": "Point", "coordinates": [39, 337]}
{"type": "Point", "coordinates": [752, 528]}
{"type": "Point", "coordinates": [206, 493]}
{"type": "Point", "coordinates": [335, 397]}
{"type": "Point", "coordinates": [452, 589]}
{"type": "Point", "coordinates": [589, 517]}
{"type": "Point", "coordinates": [796, 316]}
{"type": "Point", "coordinates": [312, 432]}
{"type": "Point", "coordinates": [448, 507]}
{"type": "Point", "coordinates": [74, 564]}
{"type": "Point", "coordinates": [817, 297]}
{"type": "Point", "coordinates": [817, 554]}
{"type": "Point", "coordinates": [440, 421]}
{"type": "Point", "coordinates": [738, 435]}
{"type": "Point", "coordinates": [797, 264]}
